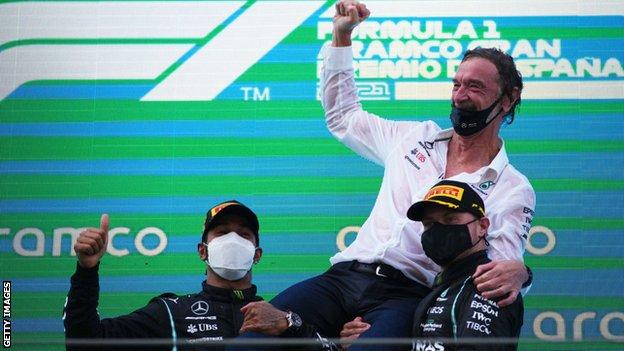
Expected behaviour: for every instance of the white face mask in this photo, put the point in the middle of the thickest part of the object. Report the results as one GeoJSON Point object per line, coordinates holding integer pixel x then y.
{"type": "Point", "coordinates": [230, 256]}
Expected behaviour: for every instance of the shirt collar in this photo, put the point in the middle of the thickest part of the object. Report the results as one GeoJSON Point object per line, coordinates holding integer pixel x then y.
{"type": "Point", "coordinates": [462, 267]}
{"type": "Point", "coordinates": [222, 294]}
{"type": "Point", "coordinates": [499, 162]}
{"type": "Point", "coordinates": [491, 171]}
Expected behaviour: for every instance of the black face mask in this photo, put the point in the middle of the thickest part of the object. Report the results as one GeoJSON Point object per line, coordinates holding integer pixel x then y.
{"type": "Point", "coordinates": [466, 122]}
{"type": "Point", "coordinates": [444, 242]}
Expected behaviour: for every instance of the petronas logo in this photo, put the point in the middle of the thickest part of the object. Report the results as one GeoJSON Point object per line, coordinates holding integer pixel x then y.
{"type": "Point", "coordinates": [443, 294]}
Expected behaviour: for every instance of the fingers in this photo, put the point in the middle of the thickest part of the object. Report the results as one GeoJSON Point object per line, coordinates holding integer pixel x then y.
{"type": "Point", "coordinates": [247, 326]}
{"type": "Point", "coordinates": [485, 283]}
{"type": "Point", "coordinates": [340, 10]}
{"type": "Point", "coordinates": [245, 309]}
{"type": "Point", "coordinates": [354, 332]}
{"type": "Point", "coordinates": [345, 8]}
{"type": "Point", "coordinates": [354, 328]}
{"type": "Point", "coordinates": [262, 317]}
{"type": "Point", "coordinates": [509, 299]}
{"type": "Point", "coordinates": [104, 222]}
{"type": "Point", "coordinates": [352, 12]}
{"type": "Point", "coordinates": [482, 269]}
{"type": "Point", "coordinates": [83, 249]}
{"type": "Point", "coordinates": [363, 11]}
{"type": "Point", "coordinates": [356, 324]}
{"type": "Point", "coordinates": [247, 319]}
{"type": "Point", "coordinates": [495, 291]}
{"type": "Point", "coordinates": [90, 242]}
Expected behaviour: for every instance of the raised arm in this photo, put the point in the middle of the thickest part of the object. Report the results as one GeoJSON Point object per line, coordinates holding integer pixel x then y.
{"type": "Point", "coordinates": [366, 134]}
{"type": "Point", "coordinates": [80, 317]}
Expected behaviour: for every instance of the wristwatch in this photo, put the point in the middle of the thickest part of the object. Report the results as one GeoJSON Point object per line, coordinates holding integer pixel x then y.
{"type": "Point", "coordinates": [294, 321]}
{"type": "Point", "coordinates": [530, 280]}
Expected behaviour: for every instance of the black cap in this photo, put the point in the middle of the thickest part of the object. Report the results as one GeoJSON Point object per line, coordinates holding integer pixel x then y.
{"type": "Point", "coordinates": [232, 207]}
{"type": "Point", "coordinates": [457, 196]}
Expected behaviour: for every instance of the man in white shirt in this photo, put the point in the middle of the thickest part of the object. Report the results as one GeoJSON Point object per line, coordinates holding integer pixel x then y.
{"type": "Point", "coordinates": [384, 273]}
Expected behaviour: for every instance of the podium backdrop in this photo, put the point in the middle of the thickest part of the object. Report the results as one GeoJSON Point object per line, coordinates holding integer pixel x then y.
{"type": "Point", "coordinates": [152, 111]}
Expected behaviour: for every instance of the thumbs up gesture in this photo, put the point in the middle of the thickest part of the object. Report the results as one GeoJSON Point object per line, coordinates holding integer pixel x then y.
{"type": "Point", "coordinates": [91, 244]}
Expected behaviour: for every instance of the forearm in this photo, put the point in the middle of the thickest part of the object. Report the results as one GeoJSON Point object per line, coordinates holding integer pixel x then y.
{"type": "Point", "coordinates": [341, 39]}
{"type": "Point", "coordinates": [80, 316]}
{"type": "Point", "coordinates": [338, 90]}
{"type": "Point", "coordinates": [365, 133]}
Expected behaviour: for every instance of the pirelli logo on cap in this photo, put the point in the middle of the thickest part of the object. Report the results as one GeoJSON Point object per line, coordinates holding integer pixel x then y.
{"type": "Point", "coordinates": [218, 209]}
{"type": "Point", "coordinates": [453, 192]}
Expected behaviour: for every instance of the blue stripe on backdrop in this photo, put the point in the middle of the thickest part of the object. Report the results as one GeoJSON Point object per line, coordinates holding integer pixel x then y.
{"type": "Point", "coordinates": [324, 205]}
{"type": "Point", "coordinates": [286, 91]}
{"type": "Point", "coordinates": [550, 204]}
{"type": "Point", "coordinates": [182, 284]}
{"type": "Point", "coordinates": [569, 243]}
{"type": "Point", "coordinates": [605, 126]}
{"type": "Point", "coordinates": [590, 326]}
{"type": "Point", "coordinates": [534, 166]}
{"type": "Point", "coordinates": [569, 165]}
{"type": "Point", "coordinates": [583, 243]}
{"type": "Point", "coordinates": [38, 325]}
{"type": "Point", "coordinates": [596, 282]}
{"type": "Point", "coordinates": [82, 91]}
{"type": "Point", "coordinates": [320, 166]}
{"type": "Point", "coordinates": [222, 129]}
{"type": "Point", "coordinates": [296, 90]}
{"type": "Point", "coordinates": [571, 49]}
{"type": "Point", "coordinates": [316, 243]}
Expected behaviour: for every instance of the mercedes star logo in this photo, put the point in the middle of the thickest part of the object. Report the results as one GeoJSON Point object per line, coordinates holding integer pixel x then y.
{"type": "Point", "coordinates": [200, 308]}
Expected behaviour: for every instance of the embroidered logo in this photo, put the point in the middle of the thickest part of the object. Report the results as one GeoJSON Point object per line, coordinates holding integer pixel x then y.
{"type": "Point", "coordinates": [192, 328]}
{"type": "Point", "coordinates": [486, 185]}
{"type": "Point", "coordinates": [200, 308]}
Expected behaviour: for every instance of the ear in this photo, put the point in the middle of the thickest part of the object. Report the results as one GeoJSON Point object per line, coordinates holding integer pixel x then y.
{"type": "Point", "coordinates": [484, 225]}
{"type": "Point", "coordinates": [201, 250]}
{"type": "Point", "coordinates": [257, 255]}
{"type": "Point", "coordinates": [507, 102]}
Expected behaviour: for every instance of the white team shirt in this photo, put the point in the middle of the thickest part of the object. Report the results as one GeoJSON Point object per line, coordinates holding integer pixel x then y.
{"type": "Point", "coordinates": [413, 155]}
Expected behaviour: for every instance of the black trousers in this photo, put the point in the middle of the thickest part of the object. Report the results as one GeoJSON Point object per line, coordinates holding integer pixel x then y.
{"type": "Point", "coordinates": [346, 291]}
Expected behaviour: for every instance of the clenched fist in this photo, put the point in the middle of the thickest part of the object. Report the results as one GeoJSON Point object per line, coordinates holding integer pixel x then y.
{"type": "Point", "coordinates": [349, 13]}
{"type": "Point", "coordinates": [91, 244]}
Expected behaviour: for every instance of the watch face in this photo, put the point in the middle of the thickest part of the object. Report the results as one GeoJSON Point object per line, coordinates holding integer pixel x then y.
{"type": "Point", "coordinates": [296, 320]}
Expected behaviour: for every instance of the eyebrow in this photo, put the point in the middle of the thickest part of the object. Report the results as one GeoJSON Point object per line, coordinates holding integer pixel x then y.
{"type": "Point", "coordinates": [476, 81]}
{"type": "Point", "coordinates": [451, 216]}
{"type": "Point", "coordinates": [471, 81]}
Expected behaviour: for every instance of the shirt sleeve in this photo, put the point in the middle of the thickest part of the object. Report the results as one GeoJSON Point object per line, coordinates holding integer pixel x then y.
{"type": "Point", "coordinates": [369, 135]}
{"type": "Point", "coordinates": [482, 318]}
{"type": "Point", "coordinates": [512, 216]}
{"type": "Point", "coordinates": [81, 319]}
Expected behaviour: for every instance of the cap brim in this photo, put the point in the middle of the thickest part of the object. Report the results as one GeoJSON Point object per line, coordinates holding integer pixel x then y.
{"type": "Point", "coordinates": [239, 210]}
{"type": "Point", "coordinates": [417, 210]}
